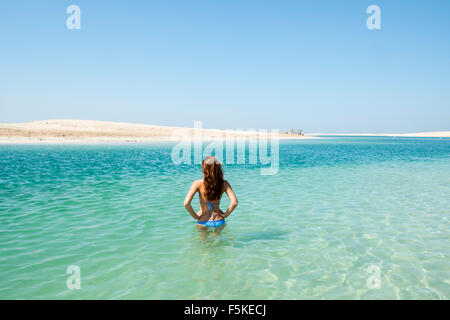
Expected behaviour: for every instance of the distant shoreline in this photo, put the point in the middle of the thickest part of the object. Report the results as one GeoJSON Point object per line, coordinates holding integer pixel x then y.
{"type": "Point", "coordinates": [431, 134]}
{"type": "Point", "coordinates": [90, 131]}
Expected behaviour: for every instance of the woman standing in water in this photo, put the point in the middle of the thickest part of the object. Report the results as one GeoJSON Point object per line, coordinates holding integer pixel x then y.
{"type": "Point", "coordinates": [210, 191]}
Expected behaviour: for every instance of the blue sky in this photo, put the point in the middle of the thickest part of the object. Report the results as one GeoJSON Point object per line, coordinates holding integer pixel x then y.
{"type": "Point", "coordinates": [311, 65]}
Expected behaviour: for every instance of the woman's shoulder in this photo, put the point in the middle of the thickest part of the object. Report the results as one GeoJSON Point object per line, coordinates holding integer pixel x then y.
{"type": "Point", "coordinates": [226, 184]}
{"type": "Point", "coordinates": [197, 183]}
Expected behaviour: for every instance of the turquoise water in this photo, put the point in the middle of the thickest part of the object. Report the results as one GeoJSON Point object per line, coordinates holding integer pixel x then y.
{"type": "Point", "coordinates": [336, 207]}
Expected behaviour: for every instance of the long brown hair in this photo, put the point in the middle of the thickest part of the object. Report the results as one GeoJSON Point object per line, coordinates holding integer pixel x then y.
{"type": "Point", "coordinates": [212, 177]}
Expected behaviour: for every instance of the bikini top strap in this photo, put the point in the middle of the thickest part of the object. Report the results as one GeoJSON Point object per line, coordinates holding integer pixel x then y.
{"type": "Point", "coordinates": [210, 207]}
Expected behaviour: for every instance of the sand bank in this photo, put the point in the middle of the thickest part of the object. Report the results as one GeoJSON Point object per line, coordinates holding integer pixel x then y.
{"type": "Point", "coordinates": [89, 131]}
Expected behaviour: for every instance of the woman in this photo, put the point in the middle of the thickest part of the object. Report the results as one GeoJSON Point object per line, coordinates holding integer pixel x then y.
{"type": "Point", "coordinates": [210, 190]}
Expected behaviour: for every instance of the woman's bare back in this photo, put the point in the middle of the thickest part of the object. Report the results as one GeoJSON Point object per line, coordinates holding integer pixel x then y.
{"type": "Point", "coordinates": [206, 205]}
{"type": "Point", "coordinates": [205, 211]}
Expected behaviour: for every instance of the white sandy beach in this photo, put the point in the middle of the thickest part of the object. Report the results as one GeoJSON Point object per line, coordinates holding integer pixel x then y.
{"type": "Point", "coordinates": [89, 131]}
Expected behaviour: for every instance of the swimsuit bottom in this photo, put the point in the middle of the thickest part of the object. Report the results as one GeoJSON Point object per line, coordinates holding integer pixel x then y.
{"type": "Point", "coordinates": [214, 224]}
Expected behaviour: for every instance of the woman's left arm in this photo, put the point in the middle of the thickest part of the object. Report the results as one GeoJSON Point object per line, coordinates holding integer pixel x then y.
{"type": "Point", "coordinates": [187, 201]}
{"type": "Point", "coordinates": [233, 200]}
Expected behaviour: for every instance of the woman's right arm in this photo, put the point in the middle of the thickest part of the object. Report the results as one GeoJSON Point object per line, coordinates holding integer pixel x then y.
{"type": "Point", "coordinates": [188, 199]}
{"type": "Point", "coordinates": [233, 200]}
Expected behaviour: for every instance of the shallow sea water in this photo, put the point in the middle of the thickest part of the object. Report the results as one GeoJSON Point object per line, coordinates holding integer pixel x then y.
{"type": "Point", "coordinates": [337, 208]}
